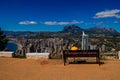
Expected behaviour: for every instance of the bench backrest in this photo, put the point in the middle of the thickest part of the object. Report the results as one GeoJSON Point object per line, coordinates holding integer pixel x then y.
{"type": "Point", "coordinates": [81, 53]}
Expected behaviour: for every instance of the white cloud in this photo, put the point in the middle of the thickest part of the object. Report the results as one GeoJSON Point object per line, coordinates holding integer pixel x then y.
{"type": "Point", "coordinates": [108, 13]}
{"type": "Point", "coordinates": [27, 22]}
{"type": "Point", "coordinates": [62, 22]}
{"type": "Point", "coordinates": [50, 22]}
{"type": "Point", "coordinates": [99, 23]}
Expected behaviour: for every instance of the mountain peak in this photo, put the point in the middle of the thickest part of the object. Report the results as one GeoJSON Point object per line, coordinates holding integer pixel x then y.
{"type": "Point", "coordinates": [72, 29]}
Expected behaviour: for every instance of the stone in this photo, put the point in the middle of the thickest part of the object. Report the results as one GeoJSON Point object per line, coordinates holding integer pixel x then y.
{"type": "Point", "coordinates": [119, 55]}
{"type": "Point", "coordinates": [37, 55]}
{"type": "Point", "coordinates": [6, 54]}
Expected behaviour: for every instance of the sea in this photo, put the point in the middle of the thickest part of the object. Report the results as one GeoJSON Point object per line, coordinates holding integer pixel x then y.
{"type": "Point", "coordinates": [12, 46]}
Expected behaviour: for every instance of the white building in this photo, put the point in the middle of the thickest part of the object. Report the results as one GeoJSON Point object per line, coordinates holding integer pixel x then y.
{"type": "Point", "coordinates": [84, 41]}
{"type": "Point", "coordinates": [103, 47]}
{"type": "Point", "coordinates": [93, 47]}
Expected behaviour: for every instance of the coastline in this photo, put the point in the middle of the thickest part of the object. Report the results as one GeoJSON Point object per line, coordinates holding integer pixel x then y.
{"type": "Point", "coordinates": [18, 44]}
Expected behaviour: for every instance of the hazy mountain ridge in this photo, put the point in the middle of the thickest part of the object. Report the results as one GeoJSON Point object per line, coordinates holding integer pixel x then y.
{"type": "Point", "coordinates": [72, 30]}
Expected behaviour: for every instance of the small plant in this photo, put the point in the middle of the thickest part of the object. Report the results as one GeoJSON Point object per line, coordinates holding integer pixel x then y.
{"type": "Point", "coordinates": [102, 56]}
{"type": "Point", "coordinates": [55, 56]}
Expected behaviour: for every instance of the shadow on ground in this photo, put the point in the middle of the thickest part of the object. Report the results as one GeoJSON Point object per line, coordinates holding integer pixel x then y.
{"type": "Point", "coordinates": [85, 62]}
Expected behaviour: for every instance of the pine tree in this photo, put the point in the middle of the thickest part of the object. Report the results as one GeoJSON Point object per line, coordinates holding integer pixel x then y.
{"type": "Point", "coordinates": [3, 40]}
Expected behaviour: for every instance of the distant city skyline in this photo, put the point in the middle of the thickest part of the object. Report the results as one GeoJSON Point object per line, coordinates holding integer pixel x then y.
{"type": "Point", "coordinates": [53, 15]}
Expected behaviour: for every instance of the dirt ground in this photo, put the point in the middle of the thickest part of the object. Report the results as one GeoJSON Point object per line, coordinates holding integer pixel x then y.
{"type": "Point", "coordinates": [44, 69]}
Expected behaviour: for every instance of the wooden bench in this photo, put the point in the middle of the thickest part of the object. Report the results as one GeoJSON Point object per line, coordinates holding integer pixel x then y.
{"type": "Point", "coordinates": [81, 53]}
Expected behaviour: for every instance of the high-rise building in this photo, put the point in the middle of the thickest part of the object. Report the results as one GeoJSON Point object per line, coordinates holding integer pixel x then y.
{"type": "Point", "coordinates": [84, 41]}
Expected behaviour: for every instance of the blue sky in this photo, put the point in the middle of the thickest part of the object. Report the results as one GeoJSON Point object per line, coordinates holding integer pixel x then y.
{"type": "Point", "coordinates": [53, 15]}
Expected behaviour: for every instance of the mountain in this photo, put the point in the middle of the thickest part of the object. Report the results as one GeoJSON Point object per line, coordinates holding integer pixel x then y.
{"type": "Point", "coordinates": [94, 30]}
{"type": "Point", "coordinates": [72, 31]}
{"type": "Point", "coordinates": [100, 30]}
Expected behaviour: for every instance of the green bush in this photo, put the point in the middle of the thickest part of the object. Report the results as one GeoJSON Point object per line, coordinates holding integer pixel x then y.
{"type": "Point", "coordinates": [3, 40]}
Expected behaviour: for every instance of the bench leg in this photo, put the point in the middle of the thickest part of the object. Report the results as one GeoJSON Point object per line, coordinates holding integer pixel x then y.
{"type": "Point", "coordinates": [98, 60]}
{"type": "Point", "coordinates": [74, 59]}
{"type": "Point", "coordinates": [64, 61]}
{"type": "Point", "coordinates": [64, 58]}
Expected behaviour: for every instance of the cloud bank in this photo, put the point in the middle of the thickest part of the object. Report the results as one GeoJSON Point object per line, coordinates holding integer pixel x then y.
{"type": "Point", "coordinates": [108, 13]}
{"type": "Point", "coordinates": [62, 22]}
{"type": "Point", "coordinates": [27, 22]}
